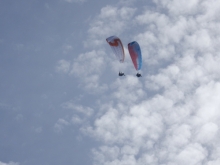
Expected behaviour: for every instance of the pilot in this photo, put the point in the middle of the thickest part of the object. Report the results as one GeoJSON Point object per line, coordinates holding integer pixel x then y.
{"type": "Point", "coordinates": [138, 75]}
{"type": "Point", "coordinates": [121, 74]}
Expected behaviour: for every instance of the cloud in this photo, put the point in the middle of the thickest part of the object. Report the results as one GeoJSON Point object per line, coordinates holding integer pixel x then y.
{"type": "Point", "coordinates": [110, 21]}
{"type": "Point", "coordinates": [207, 133]}
{"type": "Point", "coordinates": [89, 67]}
{"type": "Point", "coordinates": [67, 48]}
{"type": "Point", "coordinates": [71, 105]}
{"type": "Point", "coordinates": [75, 1]}
{"type": "Point", "coordinates": [10, 163]}
{"type": "Point", "coordinates": [180, 8]}
{"type": "Point", "coordinates": [126, 89]}
{"type": "Point", "coordinates": [170, 116]}
{"type": "Point", "coordinates": [74, 115]}
{"type": "Point", "coordinates": [60, 124]}
{"type": "Point", "coordinates": [192, 154]}
{"type": "Point", "coordinates": [63, 66]}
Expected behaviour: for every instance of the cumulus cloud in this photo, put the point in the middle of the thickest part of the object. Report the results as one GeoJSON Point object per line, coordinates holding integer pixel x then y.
{"type": "Point", "coordinates": [111, 21]}
{"type": "Point", "coordinates": [126, 89]}
{"type": "Point", "coordinates": [170, 117]}
{"type": "Point", "coordinates": [89, 67]}
{"type": "Point", "coordinates": [180, 8]}
{"type": "Point", "coordinates": [171, 114]}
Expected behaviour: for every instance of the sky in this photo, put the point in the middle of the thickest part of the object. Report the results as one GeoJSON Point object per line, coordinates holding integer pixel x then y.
{"type": "Point", "coordinates": [62, 101]}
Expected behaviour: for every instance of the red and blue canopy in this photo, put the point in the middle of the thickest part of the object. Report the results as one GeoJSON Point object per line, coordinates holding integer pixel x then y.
{"type": "Point", "coordinates": [135, 53]}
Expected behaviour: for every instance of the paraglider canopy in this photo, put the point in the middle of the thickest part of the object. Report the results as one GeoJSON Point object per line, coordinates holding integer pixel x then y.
{"type": "Point", "coordinates": [135, 53]}
{"type": "Point", "coordinates": [136, 57]}
{"type": "Point", "coordinates": [117, 47]}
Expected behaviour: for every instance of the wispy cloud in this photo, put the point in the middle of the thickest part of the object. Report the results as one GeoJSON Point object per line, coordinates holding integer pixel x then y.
{"type": "Point", "coordinates": [75, 1]}
{"type": "Point", "coordinates": [63, 66]}
{"type": "Point", "coordinates": [60, 125]}
{"type": "Point", "coordinates": [10, 163]}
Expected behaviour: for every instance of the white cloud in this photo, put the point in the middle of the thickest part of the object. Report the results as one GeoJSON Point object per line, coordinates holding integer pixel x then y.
{"type": "Point", "coordinates": [207, 101]}
{"type": "Point", "coordinates": [89, 67]}
{"type": "Point", "coordinates": [207, 133]}
{"type": "Point", "coordinates": [67, 48]}
{"type": "Point", "coordinates": [176, 7]}
{"type": "Point", "coordinates": [63, 66]}
{"type": "Point", "coordinates": [77, 120]}
{"type": "Point", "coordinates": [75, 1]}
{"type": "Point", "coordinates": [10, 163]}
{"type": "Point", "coordinates": [60, 124]}
{"type": "Point", "coordinates": [214, 162]}
{"type": "Point", "coordinates": [74, 115]}
{"type": "Point", "coordinates": [126, 89]}
{"type": "Point", "coordinates": [111, 21]}
{"type": "Point", "coordinates": [78, 108]}
{"type": "Point", "coordinates": [192, 154]}
{"type": "Point", "coordinates": [170, 116]}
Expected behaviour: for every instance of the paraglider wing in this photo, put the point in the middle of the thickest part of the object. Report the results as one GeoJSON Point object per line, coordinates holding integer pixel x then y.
{"type": "Point", "coordinates": [117, 47]}
{"type": "Point", "coordinates": [135, 53]}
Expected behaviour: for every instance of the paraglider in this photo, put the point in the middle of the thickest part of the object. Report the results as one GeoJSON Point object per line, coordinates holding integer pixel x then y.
{"type": "Point", "coordinates": [121, 74]}
{"type": "Point", "coordinates": [135, 53]}
{"type": "Point", "coordinates": [118, 49]}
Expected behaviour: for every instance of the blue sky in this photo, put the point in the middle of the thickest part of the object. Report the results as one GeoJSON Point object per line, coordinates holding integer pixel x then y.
{"type": "Point", "coordinates": [62, 102]}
